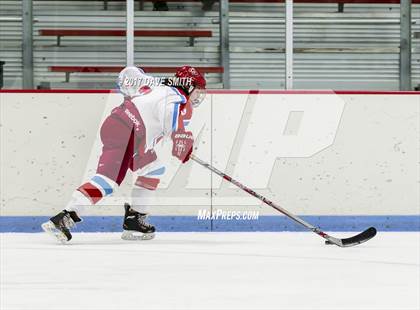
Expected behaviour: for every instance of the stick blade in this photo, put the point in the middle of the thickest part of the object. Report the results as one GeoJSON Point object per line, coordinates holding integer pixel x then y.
{"type": "Point", "coordinates": [360, 238]}
{"type": "Point", "coordinates": [355, 240]}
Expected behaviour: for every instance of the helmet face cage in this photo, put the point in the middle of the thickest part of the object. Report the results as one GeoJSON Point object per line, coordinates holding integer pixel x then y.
{"type": "Point", "coordinates": [197, 96]}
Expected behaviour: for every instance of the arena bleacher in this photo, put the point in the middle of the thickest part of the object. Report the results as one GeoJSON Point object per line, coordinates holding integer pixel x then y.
{"type": "Point", "coordinates": [338, 44]}
{"type": "Point", "coordinates": [59, 33]}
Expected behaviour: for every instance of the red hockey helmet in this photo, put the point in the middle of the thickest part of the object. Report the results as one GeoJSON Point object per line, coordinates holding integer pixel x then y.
{"type": "Point", "coordinates": [189, 72]}
{"type": "Point", "coordinates": [196, 90]}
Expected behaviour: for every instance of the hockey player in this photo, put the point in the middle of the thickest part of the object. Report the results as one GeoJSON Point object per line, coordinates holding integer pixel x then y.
{"type": "Point", "coordinates": [129, 134]}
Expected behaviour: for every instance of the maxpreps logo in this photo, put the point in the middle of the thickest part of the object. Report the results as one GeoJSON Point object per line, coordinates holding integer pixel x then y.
{"type": "Point", "coordinates": [250, 133]}
{"type": "Point", "coordinates": [220, 214]}
{"type": "Point", "coordinates": [248, 137]}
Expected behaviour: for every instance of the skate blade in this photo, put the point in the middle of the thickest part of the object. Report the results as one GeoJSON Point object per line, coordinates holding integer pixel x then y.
{"type": "Point", "coordinates": [135, 235]}
{"type": "Point", "coordinates": [51, 230]}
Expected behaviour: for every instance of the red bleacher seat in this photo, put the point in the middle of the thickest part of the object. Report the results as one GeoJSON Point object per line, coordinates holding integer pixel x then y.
{"type": "Point", "coordinates": [121, 33]}
{"type": "Point", "coordinates": [109, 69]}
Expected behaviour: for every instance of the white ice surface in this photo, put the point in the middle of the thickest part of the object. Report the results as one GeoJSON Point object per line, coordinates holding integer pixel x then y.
{"type": "Point", "coordinates": [209, 271]}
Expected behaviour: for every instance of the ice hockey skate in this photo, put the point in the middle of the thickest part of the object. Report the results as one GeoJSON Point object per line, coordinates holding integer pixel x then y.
{"type": "Point", "coordinates": [135, 225]}
{"type": "Point", "coordinates": [59, 226]}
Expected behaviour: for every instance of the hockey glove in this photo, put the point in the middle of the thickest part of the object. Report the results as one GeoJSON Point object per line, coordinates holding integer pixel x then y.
{"type": "Point", "coordinates": [182, 145]}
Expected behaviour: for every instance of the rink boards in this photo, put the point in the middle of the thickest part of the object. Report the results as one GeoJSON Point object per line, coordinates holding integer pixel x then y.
{"type": "Point", "coordinates": [345, 159]}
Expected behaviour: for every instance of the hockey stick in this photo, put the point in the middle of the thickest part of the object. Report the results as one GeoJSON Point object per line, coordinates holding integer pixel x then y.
{"type": "Point", "coordinates": [346, 242]}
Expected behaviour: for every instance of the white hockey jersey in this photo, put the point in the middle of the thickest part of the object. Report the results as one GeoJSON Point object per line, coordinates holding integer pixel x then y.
{"type": "Point", "coordinates": [160, 110]}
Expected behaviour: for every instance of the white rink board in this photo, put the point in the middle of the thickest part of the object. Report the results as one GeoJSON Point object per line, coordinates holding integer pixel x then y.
{"type": "Point", "coordinates": [203, 271]}
{"type": "Point", "coordinates": [321, 154]}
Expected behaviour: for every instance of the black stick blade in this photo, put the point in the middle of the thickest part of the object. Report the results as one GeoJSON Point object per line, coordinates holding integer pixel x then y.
{"type": "Point", "coordinates": [360, 238]}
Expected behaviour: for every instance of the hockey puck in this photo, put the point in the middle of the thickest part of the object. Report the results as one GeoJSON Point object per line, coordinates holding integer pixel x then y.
{"type": "Point", "coordinates": [328, 242]}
